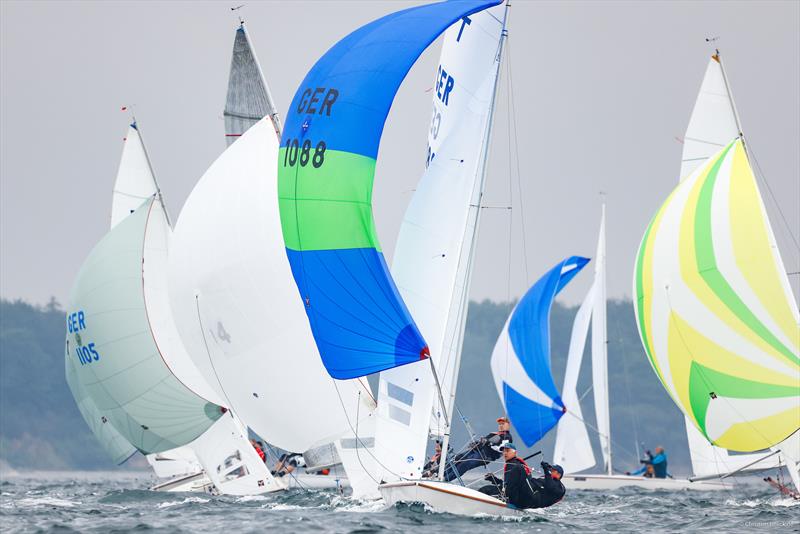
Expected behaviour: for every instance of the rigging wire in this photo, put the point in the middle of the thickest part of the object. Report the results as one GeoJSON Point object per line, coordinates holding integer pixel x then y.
{"type": "Point", "coordinates": [772, 195]}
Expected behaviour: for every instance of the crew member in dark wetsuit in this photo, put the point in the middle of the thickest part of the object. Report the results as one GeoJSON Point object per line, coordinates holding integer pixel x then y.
{"type": "Point", "coordinates": [522, 491]}
{"type": "Point", "coordinates": [481, 452]}
{"type": "Point", "coordinates": [287, 463]}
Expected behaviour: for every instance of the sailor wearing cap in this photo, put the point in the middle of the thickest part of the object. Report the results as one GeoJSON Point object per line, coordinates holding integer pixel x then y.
{"type": "Point", "coordinates": [519, 488]}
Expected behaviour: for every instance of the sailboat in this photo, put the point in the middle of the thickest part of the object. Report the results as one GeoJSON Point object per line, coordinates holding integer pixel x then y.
{"type": "Point", "coordinates": [234, 301]}
{"type": "Point", "coordinates": [573, 450]}
{"type": "Point", "coordinates": [361, 320]}
{"type": "Point", "coordinates": [713, 304]}
{"type": "Point", "coordinates": [124, 349]}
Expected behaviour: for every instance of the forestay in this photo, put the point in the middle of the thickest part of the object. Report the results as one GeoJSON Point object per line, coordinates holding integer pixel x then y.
{"type": "Point", "coordinates": [326, 168]}
{"type": "Point", "coordinates": [714, 308]}
{"type": "Point", "coordinates": [248, 99]}
{"type": "Point", "coordinates": [117, 359]}
{"type": "Point", "coordinates": [237, 309]}
{"type": "Point", "coordinates": [521, 357]}
{"type": "Point", "coordinates": [434, 250]}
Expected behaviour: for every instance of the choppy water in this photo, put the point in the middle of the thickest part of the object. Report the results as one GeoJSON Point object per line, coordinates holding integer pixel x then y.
{"type": "Point", "coordinates": [116, 502]}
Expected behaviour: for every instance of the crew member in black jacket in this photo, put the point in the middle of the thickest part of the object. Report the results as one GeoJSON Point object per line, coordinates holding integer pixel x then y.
{"type": "Point", "coordinates": [522, 491]}
{"type": "Point", "coordinates": [480, 452]}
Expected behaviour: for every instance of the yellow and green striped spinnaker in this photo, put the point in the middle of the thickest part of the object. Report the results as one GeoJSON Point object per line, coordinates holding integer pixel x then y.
{"type": "Point", "coordinates": [715, 311]}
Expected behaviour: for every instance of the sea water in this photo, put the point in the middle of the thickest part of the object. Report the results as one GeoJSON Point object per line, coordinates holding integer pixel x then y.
{"type": "Point", "coordinates": [120, 502]}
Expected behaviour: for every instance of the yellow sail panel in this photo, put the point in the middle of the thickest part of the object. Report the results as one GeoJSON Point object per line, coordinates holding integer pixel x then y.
{"type": "Point", "coordinates": [713, 311]}
{"type": "Point", "coordinates": [696, 265]}
{"type": "Point", "coordinates": [763, 432]}
{"type": "Point", "coordinates": [753, 247]}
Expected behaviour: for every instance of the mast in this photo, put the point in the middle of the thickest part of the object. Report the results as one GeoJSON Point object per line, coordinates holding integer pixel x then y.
{"type": "Point", "coordinates": [471, 255]}
{"type": "Point", "coordinates": [600, 326]}
{"type": "Point", "coordinates": [273, 111]}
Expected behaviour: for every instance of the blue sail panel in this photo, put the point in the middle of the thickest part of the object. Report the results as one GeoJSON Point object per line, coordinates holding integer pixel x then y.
{"type": "Point", "coordinates": [326, 170]}
{"type": "Point", "coordinates": [529, 328]}
{"type": "Point", "coordinates": [531, 419]}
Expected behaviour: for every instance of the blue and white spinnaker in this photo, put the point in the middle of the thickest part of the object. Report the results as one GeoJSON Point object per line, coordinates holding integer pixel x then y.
{"type": "Point", "coordinates": [521, 358]}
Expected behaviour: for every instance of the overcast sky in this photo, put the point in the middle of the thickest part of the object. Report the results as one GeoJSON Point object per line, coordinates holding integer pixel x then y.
{"type": "Point", "coordinates": [601, 91]}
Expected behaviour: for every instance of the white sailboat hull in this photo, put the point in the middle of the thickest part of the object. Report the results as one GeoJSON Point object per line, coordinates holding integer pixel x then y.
{"type": "Point", "coordinates": [445, 497]}
{"type": "Point", "coordinates": [195, 482]}
{"type": "Point", "coordinates": [309, 481]}
{"type": "Point", "coordinates": [614, 482]}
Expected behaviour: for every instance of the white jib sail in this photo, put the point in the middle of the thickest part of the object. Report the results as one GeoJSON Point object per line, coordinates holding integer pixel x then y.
{"type": "Point", "coordinates": [248, 99]}
{"type": "Point", "coordinates": [713, 123]}
{"type": "Point", "coordinates": [600, 348]}
{"type": "Point", "coordinates": [135, 181]}
{"type": "Point", "coordinates": [433, 254]}
{"type": "Point", "coordinates": [236, 305]}
{"type": "Point", "coordinates": [573, 450]}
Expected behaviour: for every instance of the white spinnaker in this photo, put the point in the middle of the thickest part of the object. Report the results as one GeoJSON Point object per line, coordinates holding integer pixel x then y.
{"type": "Point", "coordinates": [126, 376]}
{"type": "Point", "coordinates": [117, 447]}
{"type": "Point", "coordinates": [157, 249]}
{"type": "Point", "coordinates": [573, 450]}
{"type": "Point", "coordinates": [248, 99]}
{"type": "Point", "coordinates": [433, 254]}
{"type": "Point", "coordinates": [600, 348]}
{"type": "Point", "coordinates": [236, 305]}
{"type": "Point", "coordinates": [713, 122]}
{"type": "Point", "coordinates": [135, 181]}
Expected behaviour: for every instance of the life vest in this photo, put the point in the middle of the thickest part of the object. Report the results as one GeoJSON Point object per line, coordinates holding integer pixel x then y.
{"type": "Point", "coordinates": [520, 460]}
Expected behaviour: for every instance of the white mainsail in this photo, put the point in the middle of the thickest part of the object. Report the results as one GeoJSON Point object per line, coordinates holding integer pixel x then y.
{"type": "Point", "coordinates": [433, 256]}
{"type": "Point", "coordinates": [135, 180]}
{"type": "Point", "coordinates": [600, 348]}
{"type": "Point", "coordinates": [573, 450]}
{"type": "Point", "coordinates": [714, 121]}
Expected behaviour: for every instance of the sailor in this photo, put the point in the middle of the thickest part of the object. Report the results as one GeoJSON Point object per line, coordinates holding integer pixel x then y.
{"type": "Point", "coordinates": [287, 463]}
{"type": "Point", "coordinates": [658, 462]}
{"type": "Point", "coordinates": [259, 450]}
{"type": "Point", "coordinates": [264, 450]}
{"type": "Point", "coordinates": [431, 469]}
{"type": "Point", "coordinates": [481, 452]}
{"type": "Point", "coordinates": [520, 489]}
